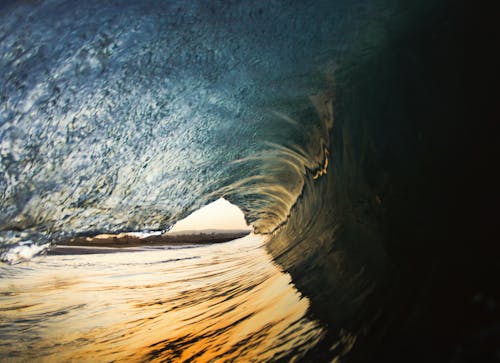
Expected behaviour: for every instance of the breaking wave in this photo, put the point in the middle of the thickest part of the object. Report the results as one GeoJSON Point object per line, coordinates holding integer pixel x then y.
{"type": "Point", "coordinates": [128, 116]}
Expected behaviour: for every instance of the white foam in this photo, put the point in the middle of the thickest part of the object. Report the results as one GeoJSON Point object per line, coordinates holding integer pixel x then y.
{"type": "Point", "coordinates": [22, 252]}
{"type": "Point", "coordinates": [144, 234]}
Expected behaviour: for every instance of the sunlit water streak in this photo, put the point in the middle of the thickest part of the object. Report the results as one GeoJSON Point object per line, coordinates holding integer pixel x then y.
{"type": "Point", "coordinates": [219, 302]}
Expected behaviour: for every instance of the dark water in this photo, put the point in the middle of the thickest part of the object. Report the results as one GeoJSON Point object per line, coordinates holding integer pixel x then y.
{"type": "Point", "coordinates": [337, 126]}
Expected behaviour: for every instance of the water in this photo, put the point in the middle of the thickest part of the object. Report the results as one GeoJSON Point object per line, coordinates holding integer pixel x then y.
{"type": "Point", "coordinates": [209, 303]}
{"type": "Point", "coordinates": [337, 128]}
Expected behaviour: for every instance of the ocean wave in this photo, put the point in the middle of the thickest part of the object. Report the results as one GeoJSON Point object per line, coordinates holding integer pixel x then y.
{"type": "Point", "coordinates": [128, 117]}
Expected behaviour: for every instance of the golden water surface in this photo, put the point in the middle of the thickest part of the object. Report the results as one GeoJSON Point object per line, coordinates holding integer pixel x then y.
{"type": "Point", "coordinates": [220, 302]}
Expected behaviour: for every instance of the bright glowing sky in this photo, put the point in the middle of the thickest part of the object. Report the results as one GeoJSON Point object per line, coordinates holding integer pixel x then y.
{"type": "Point", "coordinates": [217, 215]}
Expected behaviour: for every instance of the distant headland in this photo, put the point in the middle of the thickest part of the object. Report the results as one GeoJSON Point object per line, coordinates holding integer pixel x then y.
{"type": "Point", "coordinates": [123, 240]}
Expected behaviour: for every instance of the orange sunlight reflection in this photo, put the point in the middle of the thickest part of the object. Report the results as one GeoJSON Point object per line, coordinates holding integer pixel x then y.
{"type": "Point", "coordinates": [219, 302]}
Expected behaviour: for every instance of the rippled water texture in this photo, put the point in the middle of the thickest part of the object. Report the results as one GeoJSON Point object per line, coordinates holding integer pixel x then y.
{"type": "Point", "coordinates": [335, 125]}
{"type": "Point", "coordinates": [217, 302]}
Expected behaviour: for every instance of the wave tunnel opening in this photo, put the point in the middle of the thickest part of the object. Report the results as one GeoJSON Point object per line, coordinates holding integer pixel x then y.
{"type": "Point", "coordinates": [334, 128]}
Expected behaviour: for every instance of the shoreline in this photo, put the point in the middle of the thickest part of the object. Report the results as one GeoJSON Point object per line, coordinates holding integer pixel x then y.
{"type": "Point", "coordinates": [125, 243]}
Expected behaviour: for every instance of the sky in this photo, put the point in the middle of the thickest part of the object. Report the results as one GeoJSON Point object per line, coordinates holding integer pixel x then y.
{"type": "Point", "coordinates": [217, 215]}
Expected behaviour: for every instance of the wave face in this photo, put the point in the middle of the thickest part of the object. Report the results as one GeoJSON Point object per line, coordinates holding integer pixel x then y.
{"type": "Point", "coordinates": [127, 116]}
{"type": "Point", "coordinates": [129, 122]}
{"type": "Point", "coordinates": [220, 302]}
